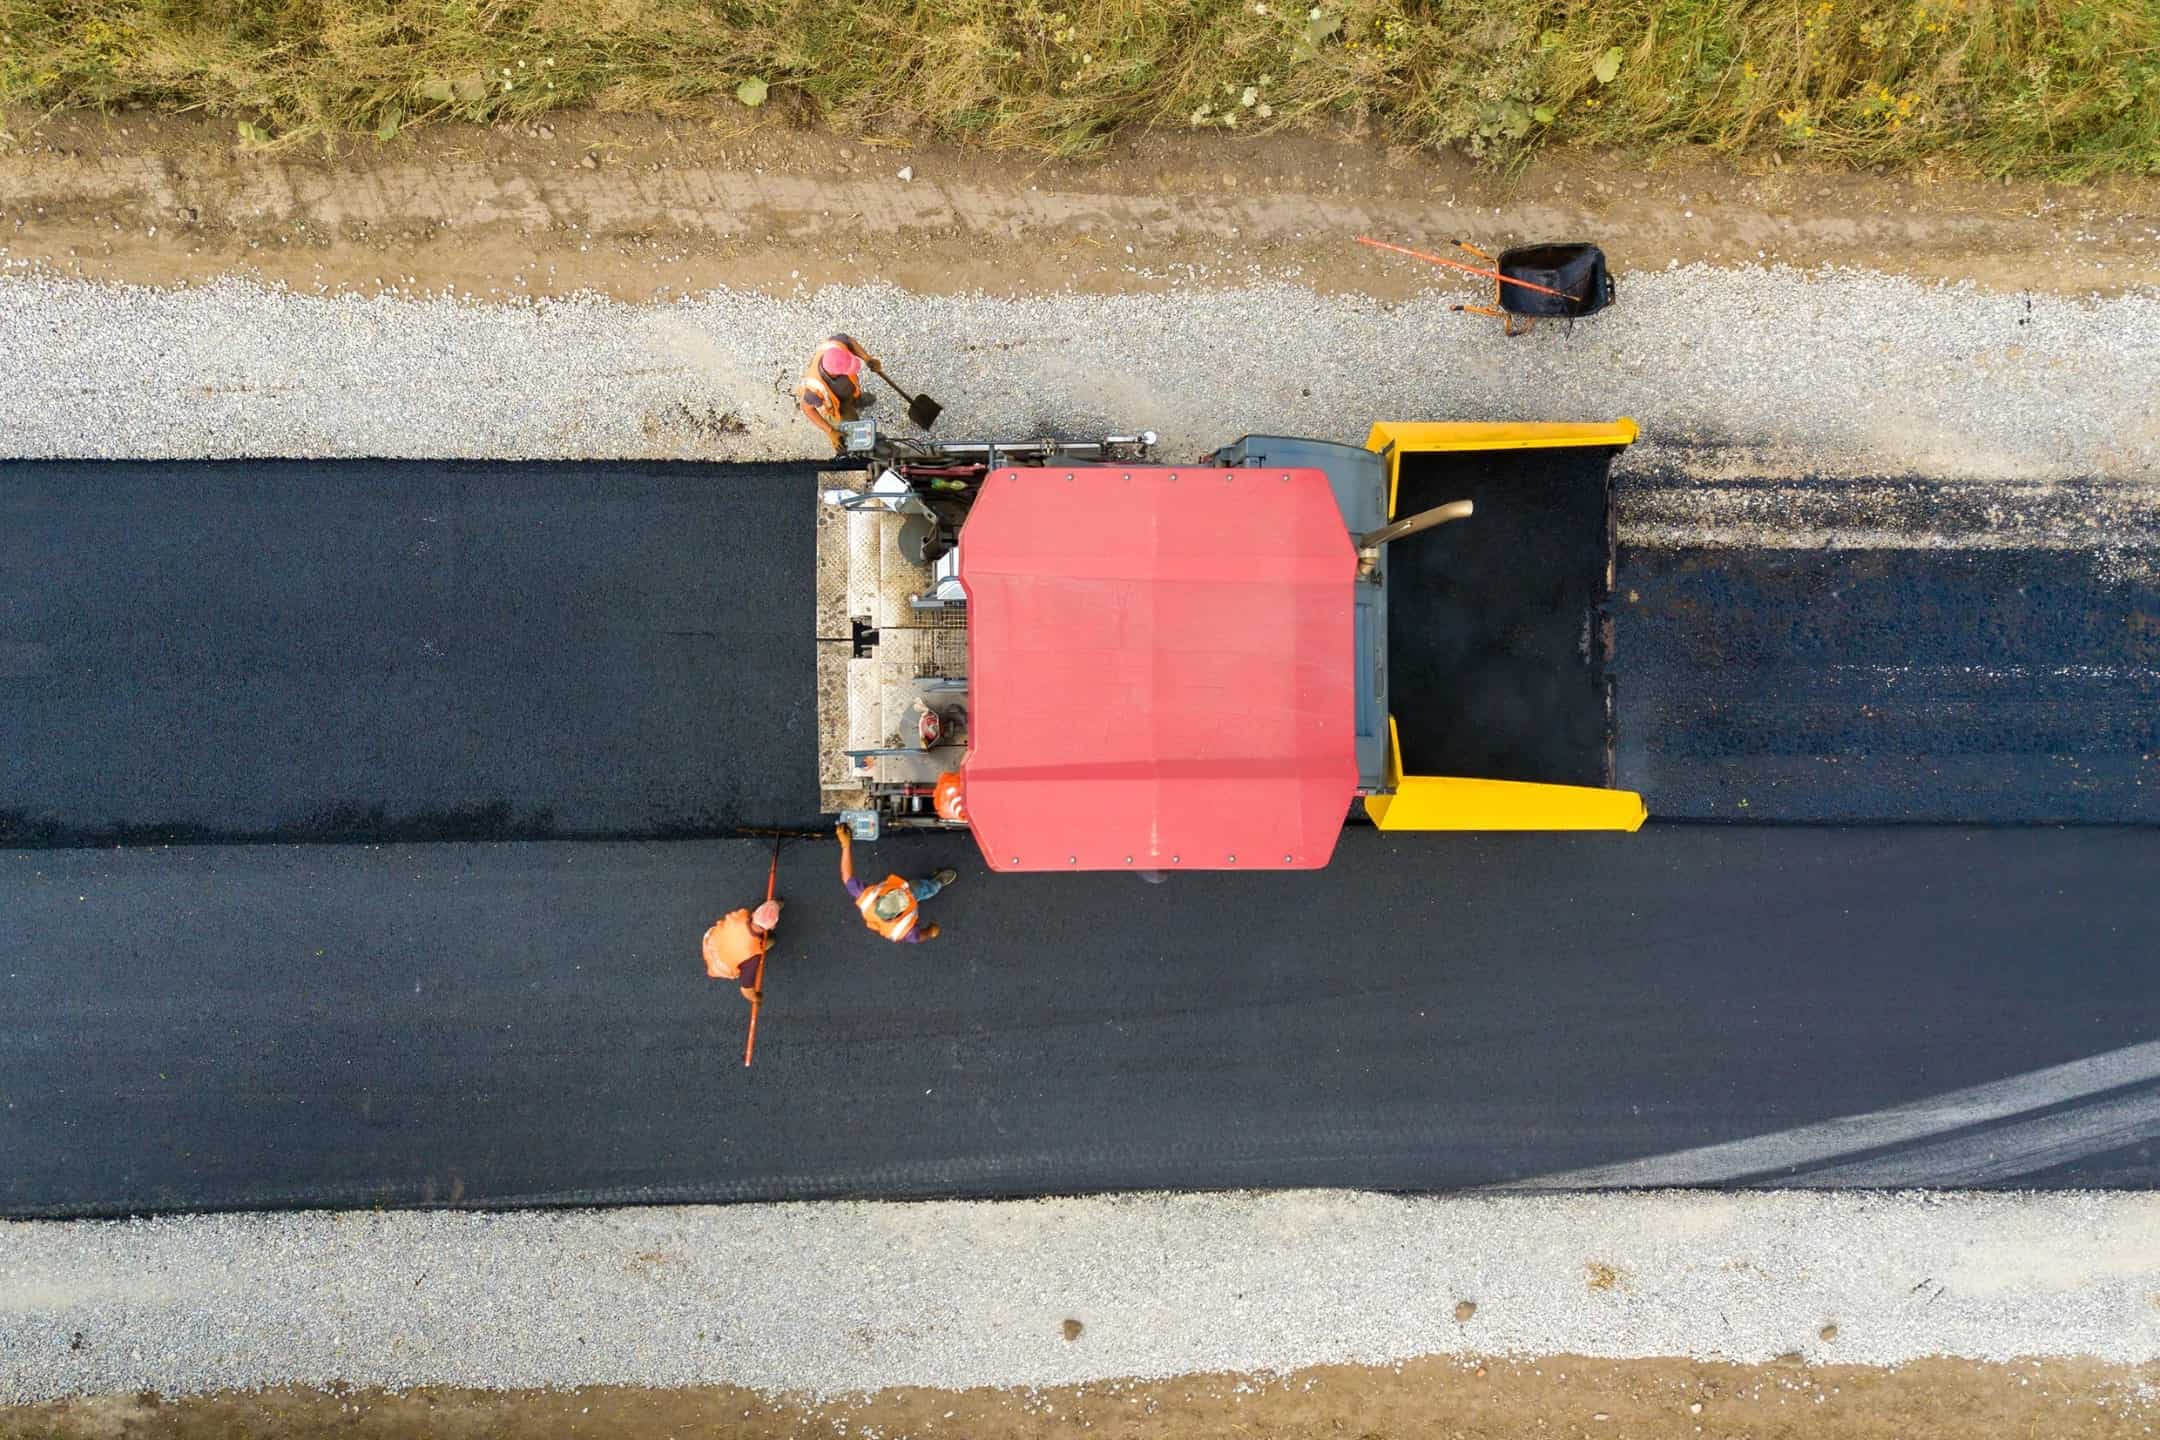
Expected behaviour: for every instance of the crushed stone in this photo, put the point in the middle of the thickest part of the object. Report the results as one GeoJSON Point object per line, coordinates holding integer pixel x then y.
{"type": "Point", "coordinates": [839, 1298]}
{"type": "Point", "coordinates": [1881, 372]}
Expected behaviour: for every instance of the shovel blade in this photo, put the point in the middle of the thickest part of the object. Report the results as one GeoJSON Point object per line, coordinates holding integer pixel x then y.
{"type": "Point", "coordinates": [924, 411]}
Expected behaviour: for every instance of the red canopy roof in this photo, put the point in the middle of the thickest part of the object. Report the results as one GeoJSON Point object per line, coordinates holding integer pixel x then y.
{"type": "Point", "coordinates": [1159, 668]}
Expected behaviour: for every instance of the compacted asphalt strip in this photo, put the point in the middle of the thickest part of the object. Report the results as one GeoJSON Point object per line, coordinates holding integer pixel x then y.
{"type": "Point", "coordinates": [379, 650]}
{"type": "Point", "coordinates": [207, 1027]}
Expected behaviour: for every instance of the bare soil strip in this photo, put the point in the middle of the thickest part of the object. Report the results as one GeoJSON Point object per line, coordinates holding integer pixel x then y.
{"type": "Point", "coordinates": [638, 208]}
{"type": "Point", "coordinates": [1499, 1398]}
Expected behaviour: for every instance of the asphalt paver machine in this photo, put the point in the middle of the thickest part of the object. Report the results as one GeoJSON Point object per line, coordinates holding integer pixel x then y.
{"type": "Point", "coordinates": [1137, 665]}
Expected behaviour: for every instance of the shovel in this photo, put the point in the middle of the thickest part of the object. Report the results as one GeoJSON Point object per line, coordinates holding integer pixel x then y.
{"type": "Point", "coordinates": [920, 408]}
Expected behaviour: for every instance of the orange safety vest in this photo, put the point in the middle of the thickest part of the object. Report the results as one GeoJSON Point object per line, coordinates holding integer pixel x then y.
{"type": "Point", "coordinates": [817, 392]}
{"type": "Point", "coordinates": [899, 927]}
{"type": "Point", "coordinates": [729, 945]}
{"type": "Point", "coordinates": [817, 388]}
{"type": "Point", "coordinates": [819, 405]}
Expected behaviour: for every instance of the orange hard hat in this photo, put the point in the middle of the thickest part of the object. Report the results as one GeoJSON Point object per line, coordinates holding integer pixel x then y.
{"type": "Point", "coordinates": [950, 797]}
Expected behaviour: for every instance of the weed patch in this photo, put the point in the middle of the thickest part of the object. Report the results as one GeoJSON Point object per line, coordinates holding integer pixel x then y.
{"type": "Point", "coordinates": [2065, 88]}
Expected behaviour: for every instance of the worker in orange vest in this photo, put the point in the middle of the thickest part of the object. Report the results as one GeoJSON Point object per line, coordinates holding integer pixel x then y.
{"type": "Point", "coordinates": [892, 907]}
{"type": "Point", "coordinates": [831, 390]}
{"type": "Point", "coordinates": [736, 939]}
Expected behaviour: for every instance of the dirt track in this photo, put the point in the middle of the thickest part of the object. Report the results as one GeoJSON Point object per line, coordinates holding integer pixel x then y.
{"type": "Point", "coordinates": [1559, 1395]}
{"type": "Point", "coordinates": [637, 209]}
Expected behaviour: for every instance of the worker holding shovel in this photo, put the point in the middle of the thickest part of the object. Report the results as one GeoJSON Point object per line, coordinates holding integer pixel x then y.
{"type": "Point", "coordinates": [831, 389]}
{"type": "Point", "coordinates": [892, 907]}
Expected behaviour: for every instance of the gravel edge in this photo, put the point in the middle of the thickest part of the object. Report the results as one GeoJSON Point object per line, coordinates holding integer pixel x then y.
{"type": "Point", "coordinates": [1854, 369]}
{"type": "Point", "coordinates": [840, 1298]}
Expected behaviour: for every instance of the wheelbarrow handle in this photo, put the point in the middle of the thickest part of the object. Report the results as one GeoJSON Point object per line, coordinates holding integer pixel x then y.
{"type": "Point", "coordinates": [1473, 269]}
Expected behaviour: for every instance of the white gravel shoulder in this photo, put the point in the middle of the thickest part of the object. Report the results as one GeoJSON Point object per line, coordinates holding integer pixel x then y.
{"type": "Point", "coordinates": [832, 1299]}
{"type": "Point", "coordinates": [1864, 370]}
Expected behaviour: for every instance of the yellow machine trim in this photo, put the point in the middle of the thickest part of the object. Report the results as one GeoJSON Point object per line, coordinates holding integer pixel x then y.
{"type": "Point", "coordinates": [1412, 436]}
{"type": "Point", "coordinates": [1438, 802]}
{"type": "Point", "coordinates": [1434, 802]}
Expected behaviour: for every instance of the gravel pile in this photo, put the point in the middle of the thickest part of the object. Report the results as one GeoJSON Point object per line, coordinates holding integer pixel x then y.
{"type": "Point", "coordinates": [839, 1298]}
{"type": "Point", "coordinates": [1857, 369]}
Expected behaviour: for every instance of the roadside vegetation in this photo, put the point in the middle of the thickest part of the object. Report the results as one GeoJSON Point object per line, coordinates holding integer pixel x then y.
{"type": "Point", "coordinates": [2065, 88]}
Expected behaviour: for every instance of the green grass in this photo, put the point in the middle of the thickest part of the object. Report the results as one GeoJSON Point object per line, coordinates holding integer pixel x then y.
{"type": "Point", "coordinates": [2065, 88]}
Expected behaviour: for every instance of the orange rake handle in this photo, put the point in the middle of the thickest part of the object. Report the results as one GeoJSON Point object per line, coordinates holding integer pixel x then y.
{"type": "Point", "coordinates": [750, 1043]}
{"type": "Point", "coordinates": [757, 996]}
{"type": "Point", "coordinates": [1459, 265]}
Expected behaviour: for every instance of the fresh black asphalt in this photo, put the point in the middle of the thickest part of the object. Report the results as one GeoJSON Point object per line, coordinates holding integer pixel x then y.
{"type": "Point", "coordinates": [2010, 686]}
{"type": "Point", "coordinates": [1494, 662]}
{"type": "Point", "coordinates": [612, 665]}
{"type": "Point", "coordinates": [397, 650]}
{"type": "Point", "coordinates": [494, 1024]}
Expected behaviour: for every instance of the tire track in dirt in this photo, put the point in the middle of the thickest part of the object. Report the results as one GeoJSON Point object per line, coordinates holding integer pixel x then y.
{"type": "Point", "coordinates": [637, 208]}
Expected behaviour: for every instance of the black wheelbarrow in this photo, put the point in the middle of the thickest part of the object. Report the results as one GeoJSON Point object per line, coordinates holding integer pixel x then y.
{"type": "Point", "coordinates": [1544, 282]}
{"type": "Point", "coordinates": [1531, 282]}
